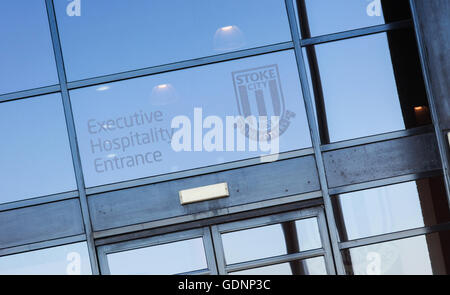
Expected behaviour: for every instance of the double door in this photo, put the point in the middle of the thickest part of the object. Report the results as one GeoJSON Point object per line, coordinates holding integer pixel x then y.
{"type": "Point", "coordinates": [289, 243]}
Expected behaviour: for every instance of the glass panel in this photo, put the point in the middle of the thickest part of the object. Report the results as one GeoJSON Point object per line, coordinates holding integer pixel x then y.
{"type": "Point", "coordinates": [35, 157]}
{"type": "Point", "coordinates": [330, 16]}
{"type": "Point", "coordinates": [70, 259]}
{"type": "Point", "coordinates": [124, 129]}
{"type": "Point", "coordinates": [26, 58]}
{"type": "Point", "coordinates": [272, 240]}
{"type": "Point", "coordinates": [369, 85]}
{"type": "Point", "coordinates": [312, 266]}
{"type": "Point", "coordinates": [165, 259]}
{"type": "Point", "coordinates": [117, 36]}
{"type": "Point", "coordinates": [421, 255]}
{"type": "Point", "coordinates": [392, 208]}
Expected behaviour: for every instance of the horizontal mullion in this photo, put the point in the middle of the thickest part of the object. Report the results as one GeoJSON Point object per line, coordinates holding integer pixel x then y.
{"type": "Point", "coordinates": [201, 272]}
{"type": "Point", "coordinates": [219, 216]}
{"type": "Point", "coordinates": [42, 245]}
{"type": "Point", "coordinates": [383, 182]}
{"type": "Point", "coordinates": [30, 93]}
{"type": "Point", "coordinates": [275, 260]}
{"type": "Point", "coordinates": [38, 200]}
{"type": "Point", "coordinates": [356, 33]}
{"type": "Point", "coordinates": [394, 236]}
{"type": "Point", "coordinates": [180, 65]}
{"type": "Point", "coordinates": [377, 138]}
{"type": "Point", "coordinates": [193, 172]}
{"type": "Point", "coordinates": [265, 220]}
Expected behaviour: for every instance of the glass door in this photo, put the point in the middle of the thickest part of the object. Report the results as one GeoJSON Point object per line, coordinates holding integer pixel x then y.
{"type": "Point", "coordinates": [293, 243]}
{"type": "Point", "coordinates": [187, 252]}
{"type": "Point", "coordinates": [290, 243]}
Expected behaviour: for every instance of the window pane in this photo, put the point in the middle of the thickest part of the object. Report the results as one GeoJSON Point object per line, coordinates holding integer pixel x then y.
{"type": "Point", "coordinates": [166, 259]}
{"type": "Point", "coordinates": [120, 123]}
{"type": "Point", "coordinates": [370, 85]}
{"type": "Point", "coordinates": [116, 36]}
{"type": "Point", "coordinates": [62, 260]}
{"type": "Point", "coordinates": [35, 157]}
{"type": "Point", "coordinates": [421, 255]}
{"type": "Point", "coordinates": [312, 266]}
{"type": "Point", "coordinates": [330, 16]}
{"type": "Point", "coordinates": [26, 58]}
{"type": "Point", "coordinates": [272, 240]}
{"type": "Point", "coordinates": [392, 208]}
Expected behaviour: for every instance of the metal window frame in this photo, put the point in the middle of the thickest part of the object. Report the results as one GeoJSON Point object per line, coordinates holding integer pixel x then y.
{"type": "Point", "coordinates": [42, 245]}
{"type": "Point", "coordinates": [203, 233]}
{"type": "Point", "coordinates": [315, 212]}
{"type": "Point", "coordinates": [296, 44]}
{"type": "Point", "coordinates": [250, 210]}
{"type": "Point", "coordinates": [440, 136]}
{"type": "Point", "coordinates": [388, 237]}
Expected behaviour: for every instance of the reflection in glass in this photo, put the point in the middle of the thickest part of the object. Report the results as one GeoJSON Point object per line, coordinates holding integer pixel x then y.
{"type": "Point", "coordinates": [26, 59]}
{"type": "Point", "coordinates": [392, 208]}
{"type": "Point", "coordinates": [228, 38]}
{"type": "Point", "coordinates": [135, 119]}
{"type": "Point", "coordinates": [165, 259]}
{"type": "Point", "coordinates": [35, 158]}
{"type": "Point", "coordinates": [163, 94]}
{"type": "Point", "coordinates": [62, 260]}
{"type": "Point", "coordinates": [368, 85]}
{"type": "Point", "coordinates": [272, 240]}
{"type": "Point", "coordinates": [118, 36]}
{"type": "Point", "coordinates": [421, 255]}
{"type": "Point", "coordinates": [330, 16]}
{"type": "Point", "coordinates": [312, 266]}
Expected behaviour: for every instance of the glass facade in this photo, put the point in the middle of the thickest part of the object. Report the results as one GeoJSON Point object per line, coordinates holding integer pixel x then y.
{"type": "Point", "coordinates": [162, 32]}
{"type": "Point", "coordinates": [320, 131]}
{"type": "Point", "coordinates": [35, 155]}
{"type": "Point", "coordinates": [136, 117]}
{"type": "Point", "coordinates": [27, 59]}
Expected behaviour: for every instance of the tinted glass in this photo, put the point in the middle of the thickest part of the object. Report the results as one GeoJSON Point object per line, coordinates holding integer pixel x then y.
{"type": "Point", "coordinates": [165, 259]}
{"type": "Point", "coordinates": [26, 58]}
{"type": "Point", "coordinates": [330, 16]}
{"type": "Point", "coordinates": [115, 36]}
{"type": "Point", "coordinates": [70, 259]}
{"type": "Point", "coordinates": [421, 255]}
{"type": "Point", "coordinates": [368, 86]}
{"type": "Point", "coordinates": [120, 123]}
{"type": "Point", "coordinates": [312, 266]}
{"type": "Point", "coordinates": [392, 208]}
{"type": "Point", "coordinates": [272, 240]}
{"type": "Point", "coordinates": [35, 158]}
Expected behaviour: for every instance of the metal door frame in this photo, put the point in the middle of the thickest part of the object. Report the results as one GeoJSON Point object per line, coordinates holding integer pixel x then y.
{"type": "Point", "coordinates": [213, 247]}
{"type": "Point", "coordinates": [317, 212]}
{"type": "Point", "coordinates": [203, 233]}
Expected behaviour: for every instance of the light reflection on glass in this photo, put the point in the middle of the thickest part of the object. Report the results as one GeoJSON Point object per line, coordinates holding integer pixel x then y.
{"type": "Point", "coordinates": [229, 38]}
{"type": "Point", "coordinates": [163, 94]}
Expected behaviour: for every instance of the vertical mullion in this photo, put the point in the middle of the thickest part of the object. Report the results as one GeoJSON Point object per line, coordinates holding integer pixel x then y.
{"type": "Point", "coordinates": [209, 251]}
{"type": "Point", "coordinates": [72, 135]}
{"type": "Point", "coordinates": [440, 136]}
{"type": "Point", "coordinates": [218, 249]}
{"type": "Point", "coordinates": [315, 137]}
